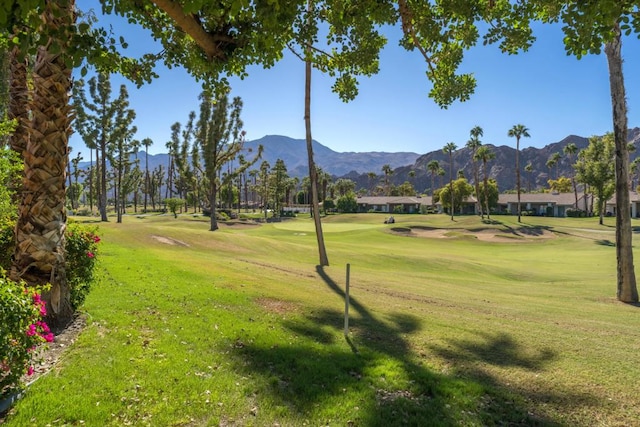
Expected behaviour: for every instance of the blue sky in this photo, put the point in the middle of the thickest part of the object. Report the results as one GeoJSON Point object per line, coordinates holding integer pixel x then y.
{"type": "Point", "coordinates": [552, 94]}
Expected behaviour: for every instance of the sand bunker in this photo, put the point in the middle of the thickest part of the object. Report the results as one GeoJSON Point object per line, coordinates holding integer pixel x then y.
{"type": "Point", "coordinates": [169, 241]}
{"type": "Point", "coordinates": [486, 235]}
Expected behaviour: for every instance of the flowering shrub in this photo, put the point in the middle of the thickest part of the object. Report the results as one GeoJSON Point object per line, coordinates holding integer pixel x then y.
{"type": "Point", "coordinates": [82, 247]}
{"type": "Point", "coordinates": [21, 314]}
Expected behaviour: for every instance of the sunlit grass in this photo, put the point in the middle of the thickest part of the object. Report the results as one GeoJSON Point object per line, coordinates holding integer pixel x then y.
{"type": "Point", "coordinates": [240, 327]}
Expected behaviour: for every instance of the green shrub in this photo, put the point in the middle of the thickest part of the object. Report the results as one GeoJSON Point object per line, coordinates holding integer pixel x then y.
{"type": "Point", "coordinates": [6, 243]}
{"type": "Point", "coordinates": [347, 203]}
{"type": "Point", "coordinates": [83, 212]}
{"type": "Point", "coordinates": [174, 205]}
{"type": "Point", "coordinates": [82, 247]}
{"type": "Point", "coordinates": [328, 205]}
{"type": "Point", "coordinates": [21, 313]}
{"type": "Point", "coordinates": [576, 213]}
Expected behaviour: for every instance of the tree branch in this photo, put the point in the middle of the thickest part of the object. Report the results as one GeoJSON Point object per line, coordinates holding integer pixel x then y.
{"type": "Point", "coordinates": [191, 25]}
{"type": "Point", "coordinates": [406, 18]}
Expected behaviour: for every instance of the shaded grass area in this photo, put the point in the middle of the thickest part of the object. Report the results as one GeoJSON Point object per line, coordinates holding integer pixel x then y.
{"type": "Point", "coordinates": [239, 327]}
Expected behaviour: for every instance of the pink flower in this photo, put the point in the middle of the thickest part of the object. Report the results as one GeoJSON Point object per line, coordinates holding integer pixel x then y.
{"type": "Point", "coordinates": [36, 299]}
{"type": "Point", "coordinates": [43, 310]}
{"type": "Point", "coordinates": [43, 326]}
{"type": "Point", "coordinates": [96, 239]}
{"type": "Point", "coordinates": [90, 254]}
{"type": "Point", "coordinates": [48, 337]}
{"type": "Point", "coordinates": [31, 331]}
{"type": "Point", "coordinates": [30, 370]}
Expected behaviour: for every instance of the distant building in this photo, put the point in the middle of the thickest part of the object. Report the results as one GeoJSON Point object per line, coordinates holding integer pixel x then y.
{"type": "Point", "coordinates": [542, 204]}
{"type": "Point", "coordinates": [634, 198]}
{"type": "Point", "coordinates": [392, 204]}
{"type": "Point", "coordinates": [539, 204]}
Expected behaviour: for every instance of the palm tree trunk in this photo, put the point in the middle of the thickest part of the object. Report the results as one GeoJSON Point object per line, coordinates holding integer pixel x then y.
{"type": "Point", "coordinates": [486, 190]}
{"type": "Point", "coordinates": [18, 101]}
{"type": "Point", "coordinates": [39, 256]}
{"type": "Point", "coordinates": [627, 290]}
{"type": "Point", "coordinates": [146, 177]}
{"type": "Point", "coordinates": [451, 181]}
{"type": "Point", "coordinates": [476, 175]}
{"type": "Point", "coordinates": [518, 176]}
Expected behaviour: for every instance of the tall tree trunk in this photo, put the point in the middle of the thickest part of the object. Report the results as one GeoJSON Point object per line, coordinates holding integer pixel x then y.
{"type": "Point", "coordinates": [103, 180]}
{"type": "Point", "coordinates": [39, 256]}
{"type": "Point", "coordinates": [212, 200]}
{"type": "Point", "coordinates": [91, 172]}
{"type": "Point", "coordinates": [313, 175]}
{"type": "Point", "coordinates": [476, 177]}
{"type": "Point", "coordinates": [146, 178]}
{"type": "Point", "coordinates": [118, 196]}
{"type": "Point", "coordinates": [486, 190]}
{"type": "Point", "coordinates": [451, 181]}
{"type": "Point", "coordinates": [71, 190]}
{"type": "Point", "coordinates": [518, 176]}
{"type": "Point", "coordinates": [627, 290]}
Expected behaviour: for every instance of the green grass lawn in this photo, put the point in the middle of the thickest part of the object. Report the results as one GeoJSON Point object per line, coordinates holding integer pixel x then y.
{"type": "Point", "coordinates": [189, 327]}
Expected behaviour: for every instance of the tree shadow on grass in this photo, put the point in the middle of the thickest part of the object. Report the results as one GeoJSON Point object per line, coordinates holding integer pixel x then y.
{"type": "Point", "coordinates": [378, 380]}
{"type": "Point", "coordinates": [497, 349]}
{"type": "Point", "coordinates": [529, 230]}
{"type": "Point", "coordinates": [471, 359]}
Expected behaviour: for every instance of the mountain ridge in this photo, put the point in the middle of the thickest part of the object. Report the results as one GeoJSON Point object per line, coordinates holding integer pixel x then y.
{"type": "Point", "coordinates": [358, 165]}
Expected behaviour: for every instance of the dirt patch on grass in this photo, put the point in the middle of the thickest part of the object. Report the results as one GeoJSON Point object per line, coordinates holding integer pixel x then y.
{"type": "Point", "coordinates": [486, 235]}
{"type": "Point", "coordinates": [276, 306]}
{"type": "Point", "coordinates": [169, 241]}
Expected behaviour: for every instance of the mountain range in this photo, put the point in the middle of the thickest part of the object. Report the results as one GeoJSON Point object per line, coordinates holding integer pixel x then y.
{"type": "Point", "coordinates": [358, 166]}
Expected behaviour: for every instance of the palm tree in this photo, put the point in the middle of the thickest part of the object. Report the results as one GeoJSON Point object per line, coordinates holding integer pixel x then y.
{"type": "Point", "coordinates": [484, 154]}
{"type": "Point", "coordinates": [556, 162]}
{"type": "Point", "coordinates": [553, 161]}
{"type": "Point", "coordinates": [434, 168]}
{"type": "Point", "coordinates": [441, 174]}
{"type": "Point", "coordinates": [372, 176]}
{"type": "Point", "coordinates": [388, 171]}
{"type": "Point", "coordinates": [550, 164]}
{"type": "Point", "coordinates": [39, 256]}
{"type": "Point", "coordinates": [449, 148]}
{"type": "Point", "coordinates": [529, 169]}
{"type": "Point", "coordinates": [412, 175]}
{"type": "Point", "coordinates": [635, 169]}
{"type": "Point", "coordinates": [570, 150]}
{"type": "Point", "coordinates": [518, 131]}
{"type": "Point", "coordinates": [473, 144]}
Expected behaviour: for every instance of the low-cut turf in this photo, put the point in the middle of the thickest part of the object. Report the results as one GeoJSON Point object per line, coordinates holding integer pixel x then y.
{"type": "Point", "coordinates": [241, 327]}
